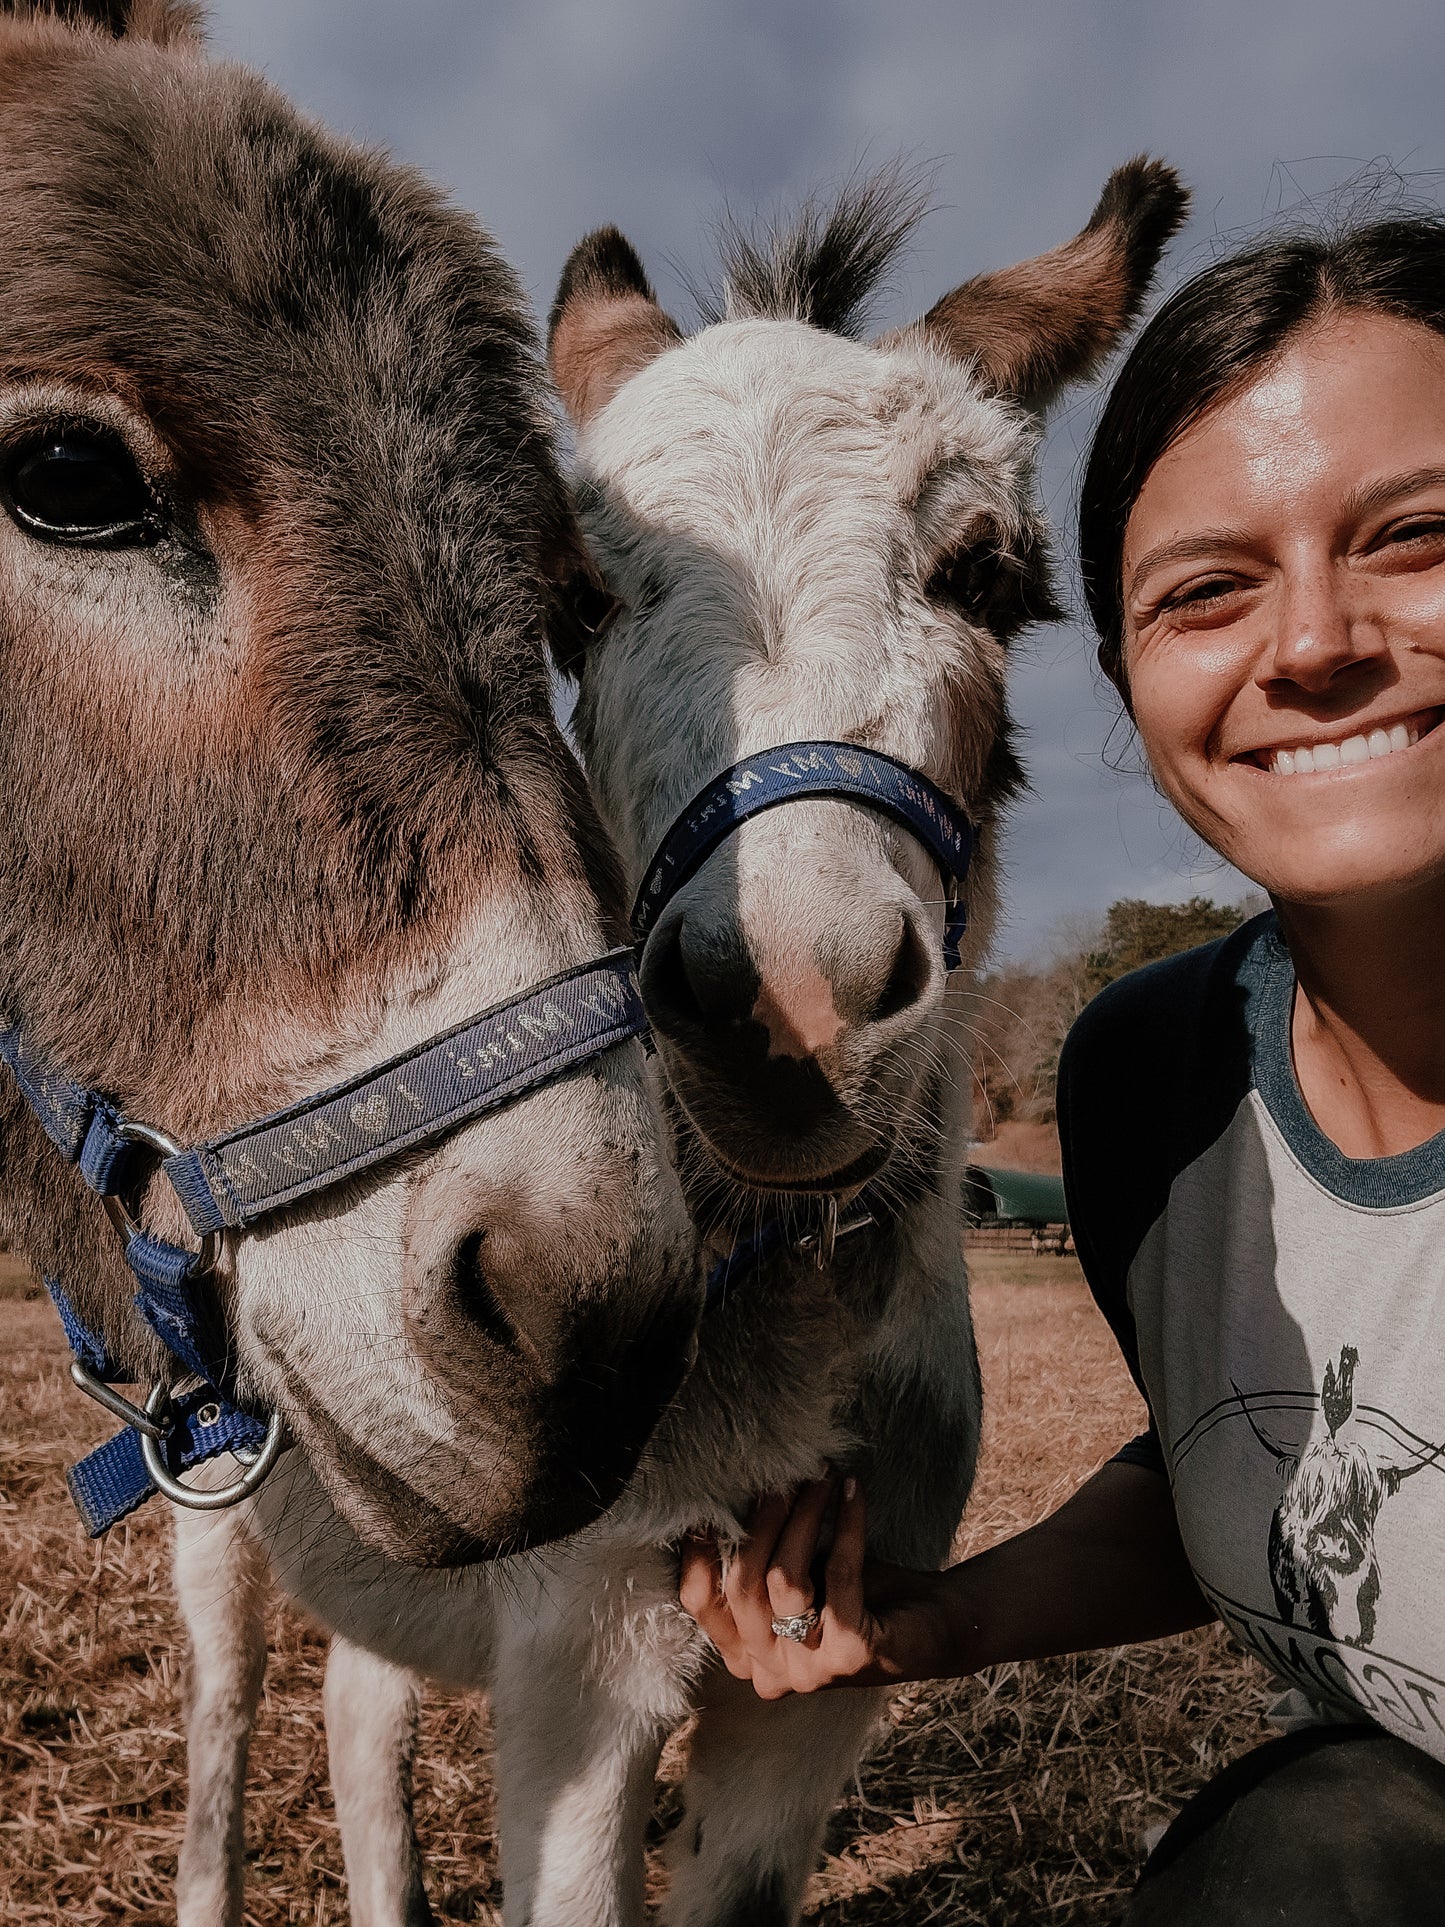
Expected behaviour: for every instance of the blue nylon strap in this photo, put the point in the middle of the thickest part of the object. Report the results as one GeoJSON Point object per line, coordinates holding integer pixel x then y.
{"type": "Point", "coordinates": [796, 771]}
{"type": "Point", "coordinates": [64, 1109]}
{"type": "Point", "coordinates": [504, 1053]}
{"type": "Point", "coordinates": [112, 1481]}
{"type": "Point", "coordinates": [88, 1346]}
{"type": "Point", "coordinates": [81, 1125]}
{"type": "Point", "coordinates": [162, 1273]}
{"type": "Point", "coordinates": [106, 1159]}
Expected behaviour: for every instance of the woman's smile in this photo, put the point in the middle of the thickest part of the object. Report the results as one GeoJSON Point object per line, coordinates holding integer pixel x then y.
{"type": "Point", "coordinates": [1345, 754]}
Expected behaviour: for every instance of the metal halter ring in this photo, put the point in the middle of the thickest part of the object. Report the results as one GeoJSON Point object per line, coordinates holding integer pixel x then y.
{"type": "Point", "coordinates": [199, 1498]}
{"type": "Point", "coordinates": [213, 1243]}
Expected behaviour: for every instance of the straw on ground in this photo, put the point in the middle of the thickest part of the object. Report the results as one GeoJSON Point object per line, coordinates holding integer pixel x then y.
{"type": "Point", "coordinates": [1022, 1796]}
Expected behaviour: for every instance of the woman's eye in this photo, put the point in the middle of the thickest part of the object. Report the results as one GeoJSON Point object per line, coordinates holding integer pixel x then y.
{"type": "Point", "coordinates": [79, 486]}
{"type": "Point", "coordinates": [1200, 595]}
{"type": "Point", "coordinates": [968, 578]}
{"type": "Point", "coordinates": [1425, 528]}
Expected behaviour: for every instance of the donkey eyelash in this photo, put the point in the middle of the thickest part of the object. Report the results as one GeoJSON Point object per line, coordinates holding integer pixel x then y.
{"type": "Point", "coordinates": [989, 582]}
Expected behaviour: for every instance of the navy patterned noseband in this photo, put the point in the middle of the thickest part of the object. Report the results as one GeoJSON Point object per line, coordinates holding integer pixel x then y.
{"type": "Point", "coordinates": [233, 1181]}
{"type": "Point", "coordinates": [796, 772]}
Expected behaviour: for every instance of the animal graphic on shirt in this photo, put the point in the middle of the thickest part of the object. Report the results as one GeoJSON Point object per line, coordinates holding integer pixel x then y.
{"type": "Point", "coordinates": [1322, 1532]}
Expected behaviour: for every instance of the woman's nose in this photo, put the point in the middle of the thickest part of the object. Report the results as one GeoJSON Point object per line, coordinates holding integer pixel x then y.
{"type": "Point", "coordinates": [1321, 631]}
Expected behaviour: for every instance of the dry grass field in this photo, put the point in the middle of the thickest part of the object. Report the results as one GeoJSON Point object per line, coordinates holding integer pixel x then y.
{"type": "Point", "coordinates": [1019, 1797]}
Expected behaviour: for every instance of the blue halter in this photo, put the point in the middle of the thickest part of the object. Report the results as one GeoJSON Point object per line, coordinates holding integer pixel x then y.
{"type": "Point", "coordinates": [792, 773]}
{"type": "Point", "coordinates": [795, 772]}
{"type": "Point", "coordinates": [232, 1181]}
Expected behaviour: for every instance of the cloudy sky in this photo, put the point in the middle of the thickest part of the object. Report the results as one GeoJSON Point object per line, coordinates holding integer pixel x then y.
{"type": "Point", "coordinates": [550, 116]}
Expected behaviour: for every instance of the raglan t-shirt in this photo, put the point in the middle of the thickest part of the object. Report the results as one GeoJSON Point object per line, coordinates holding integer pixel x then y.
{"type": "Point", "coordinates": [1282, 1309]}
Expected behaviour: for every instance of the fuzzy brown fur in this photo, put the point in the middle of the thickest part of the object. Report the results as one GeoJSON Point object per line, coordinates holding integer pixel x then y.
{"type": "Point", "coordinates": [605, 323]}
{"type": "Point", "coordinates": [169, 23]}
{"type": "Point", "coordinates": [1038, 326]}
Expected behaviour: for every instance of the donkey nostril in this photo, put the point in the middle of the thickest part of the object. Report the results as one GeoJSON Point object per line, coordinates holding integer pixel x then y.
{"type": "Point", "coordinates": [695, 975]}
{"type": "Point", "coordinates": [476, 1297]}
{"type": "Point", "coordinates": [908, 978]}
{"type": "Point", "coordinates": [666, 987]}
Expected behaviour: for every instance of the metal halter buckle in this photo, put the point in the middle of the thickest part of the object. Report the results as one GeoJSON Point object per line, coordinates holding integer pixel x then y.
{"type": "Point", "coordinates": [258, 1464]}
{"type": "Point", "coordinates": [118, 1406]}
{"type": "Point", "coordinates": [155, 1425]}
{"type": "Point", "coordinates": [823, 1242]}
{"type": "Point", "coordinates": [213, 1243]}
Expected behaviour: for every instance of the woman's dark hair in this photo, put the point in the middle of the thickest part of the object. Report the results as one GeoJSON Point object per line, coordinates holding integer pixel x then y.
{"type": "Point", "coordinates": [1211, 335]}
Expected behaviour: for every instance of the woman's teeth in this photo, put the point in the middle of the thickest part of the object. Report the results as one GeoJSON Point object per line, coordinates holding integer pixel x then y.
{"type": "Point", "coordinates": [1354, 749]}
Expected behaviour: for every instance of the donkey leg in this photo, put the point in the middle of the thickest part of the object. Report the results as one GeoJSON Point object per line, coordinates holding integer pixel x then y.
{"type": "Point", "coordinates": [371, 1714]}
{"type": "Point", "coordinates": [593, 1672]}
{"type": "Point", "coordinates": [762, 1779]}
{"type": "Point", "coordinates": [575, 1775]}
{"type": "Point", "coordinates": [220, 1578]}
{"type": "Point", "coordinates": [764, 1776]}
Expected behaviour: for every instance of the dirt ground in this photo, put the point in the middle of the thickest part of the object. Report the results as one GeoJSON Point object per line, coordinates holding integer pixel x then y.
{"type": "Point", "coordinates": [1021, 1796]}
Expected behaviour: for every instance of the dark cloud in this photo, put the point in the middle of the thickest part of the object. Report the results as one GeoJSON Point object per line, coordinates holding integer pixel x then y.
{"type": "Point", "coordinates": [550, 116]}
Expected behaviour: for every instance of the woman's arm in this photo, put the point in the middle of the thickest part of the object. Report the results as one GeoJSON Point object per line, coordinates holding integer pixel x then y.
{"type": "Point", "coordinates": [1107, 1569]}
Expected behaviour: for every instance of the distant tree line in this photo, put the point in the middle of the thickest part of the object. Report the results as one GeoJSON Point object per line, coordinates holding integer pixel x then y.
{"type": "Point", "coordinates": [1022, 1013]}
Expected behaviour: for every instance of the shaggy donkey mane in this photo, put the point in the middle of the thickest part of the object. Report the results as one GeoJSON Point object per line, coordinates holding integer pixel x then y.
{"type": "Point", "coordinates": [169, 23]}
{"type": "Point", "coordinates": [826, 263]}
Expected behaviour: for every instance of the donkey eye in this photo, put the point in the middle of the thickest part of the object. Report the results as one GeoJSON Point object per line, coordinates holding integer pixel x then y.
{"type": "Point", "coordinates": [79, 486]}
{"type": "Point", "coordinates": [968, 579]}
{"type": "Point", "coordinates": [594, 609]}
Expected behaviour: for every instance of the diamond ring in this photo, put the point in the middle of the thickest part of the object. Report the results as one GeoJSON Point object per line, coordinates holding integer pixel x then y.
{"type": "Point", "coordinates": [797, 1626]}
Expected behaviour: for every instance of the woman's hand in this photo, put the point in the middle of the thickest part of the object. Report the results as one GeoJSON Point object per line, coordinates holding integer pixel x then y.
{"type": "Point", "coordinates": [1108, 1568]}
{"type": "Point", "coordinates": [876, 1625]}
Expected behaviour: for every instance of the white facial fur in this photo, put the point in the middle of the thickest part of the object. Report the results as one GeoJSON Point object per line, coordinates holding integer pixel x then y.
{"type": "Point", "coordinates": [768, 501]}
{"type": "Point", "coordinates": [321, 1300]}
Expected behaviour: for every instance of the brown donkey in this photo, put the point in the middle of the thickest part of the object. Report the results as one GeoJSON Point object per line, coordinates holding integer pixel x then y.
{"type": "Point", "coordinates": [284, 537]}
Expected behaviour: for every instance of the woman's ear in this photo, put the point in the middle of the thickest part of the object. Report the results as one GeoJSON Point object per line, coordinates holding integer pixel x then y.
{"type": "Point", "coordinates": [1032, 329]}
{"type": "Point", "coordinates": [605, 323]}
{"type": "Point", "coordinates": [1110, 658]}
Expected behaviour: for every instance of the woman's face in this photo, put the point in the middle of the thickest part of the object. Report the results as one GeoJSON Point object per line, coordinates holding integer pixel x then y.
{"type": "Point", "coordinates": [1284, 599]}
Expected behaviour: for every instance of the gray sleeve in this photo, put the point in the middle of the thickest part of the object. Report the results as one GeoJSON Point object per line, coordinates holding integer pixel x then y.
{"type": "Point", "coordinates": [1151, 1073]}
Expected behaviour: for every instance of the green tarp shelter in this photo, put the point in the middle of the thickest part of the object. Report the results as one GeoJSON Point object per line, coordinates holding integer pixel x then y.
{"type": "Point", "coordinates": [991, 1196]}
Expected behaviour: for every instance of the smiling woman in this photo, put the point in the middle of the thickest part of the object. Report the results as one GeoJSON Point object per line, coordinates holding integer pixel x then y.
{"type": "Point", "coordinates": [1263, 539]}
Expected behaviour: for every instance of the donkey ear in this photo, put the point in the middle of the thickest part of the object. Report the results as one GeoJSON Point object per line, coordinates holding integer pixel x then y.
{"type": "Point", "coordinates": [1034, 328]}
{"type": "Point", "coordinates": [168, 23]}
{"type": "Point", "coordinates": [605, 323]}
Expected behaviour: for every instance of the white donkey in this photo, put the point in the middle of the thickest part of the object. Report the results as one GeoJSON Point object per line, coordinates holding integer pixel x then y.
{"type": "Point", "coordinates": [807, 537]}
